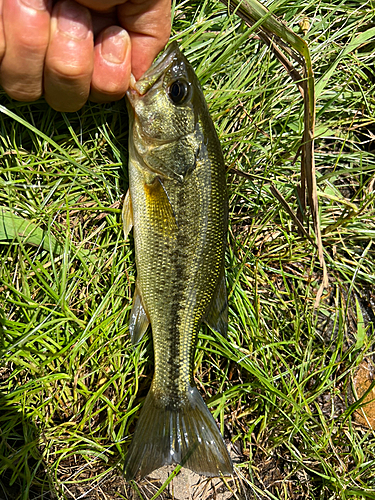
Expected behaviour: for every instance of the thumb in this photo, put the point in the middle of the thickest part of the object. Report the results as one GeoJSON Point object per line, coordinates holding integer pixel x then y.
{"type": "Point", "coordinates": [148, 23]}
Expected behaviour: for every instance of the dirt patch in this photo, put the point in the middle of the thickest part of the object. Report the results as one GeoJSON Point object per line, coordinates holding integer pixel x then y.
{"type": "Point", "coordinates": [362, 381]}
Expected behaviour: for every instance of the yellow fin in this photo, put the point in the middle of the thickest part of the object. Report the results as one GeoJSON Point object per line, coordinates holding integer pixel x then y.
{"type": "Point", "coordinates": [139, 321]}
{"type": "Point", "coordinates": [159, 207]}
{"type": "Point", "coordinates": [216, 316]}
{"type": "Point", "coordinates": [127, 214]}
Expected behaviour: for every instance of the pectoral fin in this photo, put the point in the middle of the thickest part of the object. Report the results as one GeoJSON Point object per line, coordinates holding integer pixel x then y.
{"type": "Point", "coordinates": [159, 208]}
{"type": "Point", "coordinates": [217, 314]}
{"type": "Point", "coordinates": [138, 318]}
{"type": "Point", "coordinates": [127, 214]}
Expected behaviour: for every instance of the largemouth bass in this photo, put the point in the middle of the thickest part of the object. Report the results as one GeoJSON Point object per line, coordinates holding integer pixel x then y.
{"type": "Point", "coordinates": [177, 204]}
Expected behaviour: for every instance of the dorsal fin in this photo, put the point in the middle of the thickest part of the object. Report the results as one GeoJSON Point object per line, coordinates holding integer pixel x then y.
{"type": "Point", "coordinates": [216, 316]}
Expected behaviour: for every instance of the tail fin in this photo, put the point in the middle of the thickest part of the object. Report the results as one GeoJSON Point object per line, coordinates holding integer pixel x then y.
{"type": "Point", "coordinates": [188, 436]}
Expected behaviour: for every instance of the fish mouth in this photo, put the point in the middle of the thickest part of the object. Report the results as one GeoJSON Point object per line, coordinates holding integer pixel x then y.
{"type": "Point", "coordinates": [148, 79]}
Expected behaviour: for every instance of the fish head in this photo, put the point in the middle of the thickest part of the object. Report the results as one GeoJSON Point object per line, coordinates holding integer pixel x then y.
{"type": "Point", "coordinates": [164, 109]}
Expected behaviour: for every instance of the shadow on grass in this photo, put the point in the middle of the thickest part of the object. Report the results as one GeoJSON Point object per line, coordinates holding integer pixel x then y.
{"type": "Point", "coordinates": [22, 471]}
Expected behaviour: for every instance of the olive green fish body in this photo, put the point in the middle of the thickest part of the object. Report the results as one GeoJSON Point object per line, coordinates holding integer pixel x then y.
{"type": "Point", "coordinates": [178, 207]}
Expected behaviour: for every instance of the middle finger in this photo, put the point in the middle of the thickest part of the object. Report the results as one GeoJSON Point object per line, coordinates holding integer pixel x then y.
{"type": "Point", "coordinates": [70, 57]}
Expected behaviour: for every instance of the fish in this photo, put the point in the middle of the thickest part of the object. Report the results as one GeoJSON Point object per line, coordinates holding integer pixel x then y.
{"type": "Point", "coordinates": [177, 205]}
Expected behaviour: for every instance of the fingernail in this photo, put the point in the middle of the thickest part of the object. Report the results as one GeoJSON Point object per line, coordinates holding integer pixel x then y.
{"type": "Point", "coordinates": [114, 44]}
{"type": "Point", "coordinates": [73, 20]}
{"type": "Point", "coordinates": [132, 81]}
{"type": "Point", "coordinates": [36, 4]}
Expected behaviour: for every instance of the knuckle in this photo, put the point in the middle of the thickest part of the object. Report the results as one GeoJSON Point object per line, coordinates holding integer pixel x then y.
{"type": "Point", "coordinates": [69, 72]}
{"type": "Point", "coordinates": [23, 94]}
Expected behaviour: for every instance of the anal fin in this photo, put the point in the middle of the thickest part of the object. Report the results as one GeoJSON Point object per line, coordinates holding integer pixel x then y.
{"type": "Point", "coordinates": [139, 321]}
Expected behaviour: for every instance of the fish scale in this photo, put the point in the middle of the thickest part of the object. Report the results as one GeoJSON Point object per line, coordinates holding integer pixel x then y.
{"type": "Point", "coordinates": [177, 205]}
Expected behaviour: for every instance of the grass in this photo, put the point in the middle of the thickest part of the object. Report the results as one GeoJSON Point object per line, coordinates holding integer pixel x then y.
{"type": "Point", "coordinates": [281, 384]}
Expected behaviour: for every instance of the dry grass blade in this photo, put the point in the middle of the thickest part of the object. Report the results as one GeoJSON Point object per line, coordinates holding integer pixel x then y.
{"type": "Point", "coordinates": [273, 31]}
{"type": "Point", "coordinates": [287, 207]}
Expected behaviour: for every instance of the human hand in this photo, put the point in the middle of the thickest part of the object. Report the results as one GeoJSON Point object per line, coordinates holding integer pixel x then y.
{"type": "Point", "coordinates": [74, 50]}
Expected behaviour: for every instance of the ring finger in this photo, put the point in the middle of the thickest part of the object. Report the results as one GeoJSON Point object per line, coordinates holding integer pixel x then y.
{"type": "Point", "coordinates": [26, 33]}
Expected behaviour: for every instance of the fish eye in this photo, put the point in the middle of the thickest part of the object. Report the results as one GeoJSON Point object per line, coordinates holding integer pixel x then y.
{"type": "Point", "coordinates": [178, 91]}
